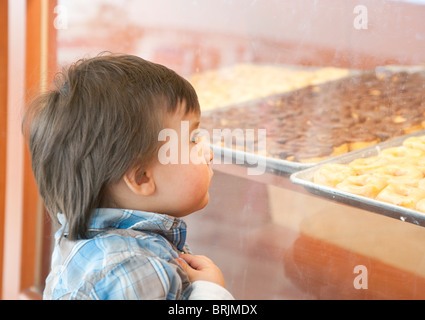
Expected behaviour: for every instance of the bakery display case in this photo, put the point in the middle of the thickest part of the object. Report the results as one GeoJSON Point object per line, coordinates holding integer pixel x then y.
{"type": "Point", "coordinates": [309, 94]}
{"type": "Point", "coordinates": [318, 93]}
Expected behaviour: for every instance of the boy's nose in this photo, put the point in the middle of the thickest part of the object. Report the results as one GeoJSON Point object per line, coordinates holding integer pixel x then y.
{"type": "Point", "coordinates": [208, 153]}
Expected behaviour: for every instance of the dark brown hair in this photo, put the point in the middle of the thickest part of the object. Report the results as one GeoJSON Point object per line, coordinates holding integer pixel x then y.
{"type": "Point", "coordinates": [101, 118]}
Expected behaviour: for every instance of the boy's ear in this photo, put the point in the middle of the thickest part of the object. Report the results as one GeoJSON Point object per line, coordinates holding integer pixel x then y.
{"type": "Point", "coordinates": [140, 181]}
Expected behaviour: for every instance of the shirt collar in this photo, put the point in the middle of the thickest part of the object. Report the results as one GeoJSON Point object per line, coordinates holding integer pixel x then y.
{"type": "Point", "coordinates": [170, 227]}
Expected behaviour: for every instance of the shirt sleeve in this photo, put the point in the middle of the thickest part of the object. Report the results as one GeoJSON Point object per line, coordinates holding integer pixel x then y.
{"type": "Point", "coordinates": [205, 290]}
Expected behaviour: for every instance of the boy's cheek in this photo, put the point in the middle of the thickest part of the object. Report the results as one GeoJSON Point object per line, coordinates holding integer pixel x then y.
{"type": "Point", "coordinates": [197, 178]}
{"type": "Point", "coordinates": [183, 179]}
{"type": "Point", "coordinates": [187, 187]}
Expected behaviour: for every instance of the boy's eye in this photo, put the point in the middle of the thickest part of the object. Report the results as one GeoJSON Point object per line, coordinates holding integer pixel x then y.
{"type": "Point", "coordinates": [195, 137]}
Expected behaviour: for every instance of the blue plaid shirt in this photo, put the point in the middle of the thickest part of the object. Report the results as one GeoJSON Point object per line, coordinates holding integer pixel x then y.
{"type": "Point", "coordinates": [129, 255]}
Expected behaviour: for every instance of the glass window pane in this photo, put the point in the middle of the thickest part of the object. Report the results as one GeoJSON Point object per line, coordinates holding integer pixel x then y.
{"type": "Point", "coordinates": [322, 79]}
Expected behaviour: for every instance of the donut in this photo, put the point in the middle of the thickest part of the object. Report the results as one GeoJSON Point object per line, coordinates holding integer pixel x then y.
{"type": "Point", "coordinates": [364, 185]}
{"type": "Point", "coordinates": [419, 163]}
{"type": "Point", "coordinates": [368, 165]}
{"type": "Point", "coordinates": [402, 195]}
{"type": "Point", "coordinates": [397, 173]}
{"type": "Point", "coordinates": [395, 153]}
{"type": "Point", "coordinates": [415, 143]}
{"type": "Point", "coordinates": [332, 173]}
{"type": "Point", "coordinates": [362, 144]}
{"type": "Point", "coordinates": [420, 205]}
{"type": "Point", "coordinates": [421, 184]}
{"type": "Point", "coordinates": [341, 149]}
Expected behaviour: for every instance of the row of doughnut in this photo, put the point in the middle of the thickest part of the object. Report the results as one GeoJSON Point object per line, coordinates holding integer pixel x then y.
{"type": "Point", "coordinates": [396, 175]}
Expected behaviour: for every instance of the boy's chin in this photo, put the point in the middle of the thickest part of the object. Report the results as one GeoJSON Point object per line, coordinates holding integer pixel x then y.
{"type": "Point", "coordinates": [201, 205]}
{"type": "Point", "coordinates": [206, 200]}
{"type": "Point", "coordinates": [187, 211]}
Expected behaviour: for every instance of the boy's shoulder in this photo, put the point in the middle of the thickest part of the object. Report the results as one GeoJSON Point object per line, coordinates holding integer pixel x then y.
{"type": "Point", "coordinates": [113, 231]}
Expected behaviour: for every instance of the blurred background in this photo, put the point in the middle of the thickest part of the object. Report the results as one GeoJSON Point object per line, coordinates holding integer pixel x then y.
{"type": "Point", "coordinates": [262, 257]}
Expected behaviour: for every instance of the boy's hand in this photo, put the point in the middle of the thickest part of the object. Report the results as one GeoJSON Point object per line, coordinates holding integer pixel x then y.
{"type": "Point", "coordinates": [201, 268]}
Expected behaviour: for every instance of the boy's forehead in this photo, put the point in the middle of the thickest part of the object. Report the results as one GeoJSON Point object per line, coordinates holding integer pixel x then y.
{"type": "Point", "coordinates": [192, 117]}
{"type": "Point", "coordinates": [182, 108]}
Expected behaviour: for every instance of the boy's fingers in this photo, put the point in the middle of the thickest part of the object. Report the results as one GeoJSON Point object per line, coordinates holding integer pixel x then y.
{"type": "Point", "coordinates": [184, 265]}
{"type": "Point", "coordinates": [196, 262]}
{"type": "Point", "coordinates": [201, 268]}
{"type": "Point", "coordinates": [187, 268]}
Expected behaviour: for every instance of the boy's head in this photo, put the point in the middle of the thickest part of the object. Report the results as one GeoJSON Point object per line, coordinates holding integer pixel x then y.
{"type": "Point", "coordinates": [95, 135]}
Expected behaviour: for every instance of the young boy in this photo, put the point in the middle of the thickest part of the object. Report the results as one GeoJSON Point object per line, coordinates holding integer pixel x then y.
{"type": "Point", "coordinates": [94, 147]}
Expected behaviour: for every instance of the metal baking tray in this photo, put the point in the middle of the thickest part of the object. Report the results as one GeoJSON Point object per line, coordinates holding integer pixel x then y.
{"type": "Point", "coordinates": [305, 179]}
{"type": "Point", "coordinates": [281, 166]}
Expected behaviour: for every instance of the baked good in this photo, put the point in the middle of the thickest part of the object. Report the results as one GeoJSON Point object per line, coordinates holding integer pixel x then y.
{"type": "Point", "coordinates": [368, 165]}
{"type": "Point", "coordinates": [366, 185]}
{"type": "Point", "coordinates": [332, 174]}
{"type": "Point", "coordinates": [399, 173]}
{"type": "Point", "coordinates": [417, 143]}
{"type": "Point", "coordinates": [402, 195]}
{"type": "Point", "coordinates": [420, 205]}
{"type": "Point", "coordinates": [401, 152]}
